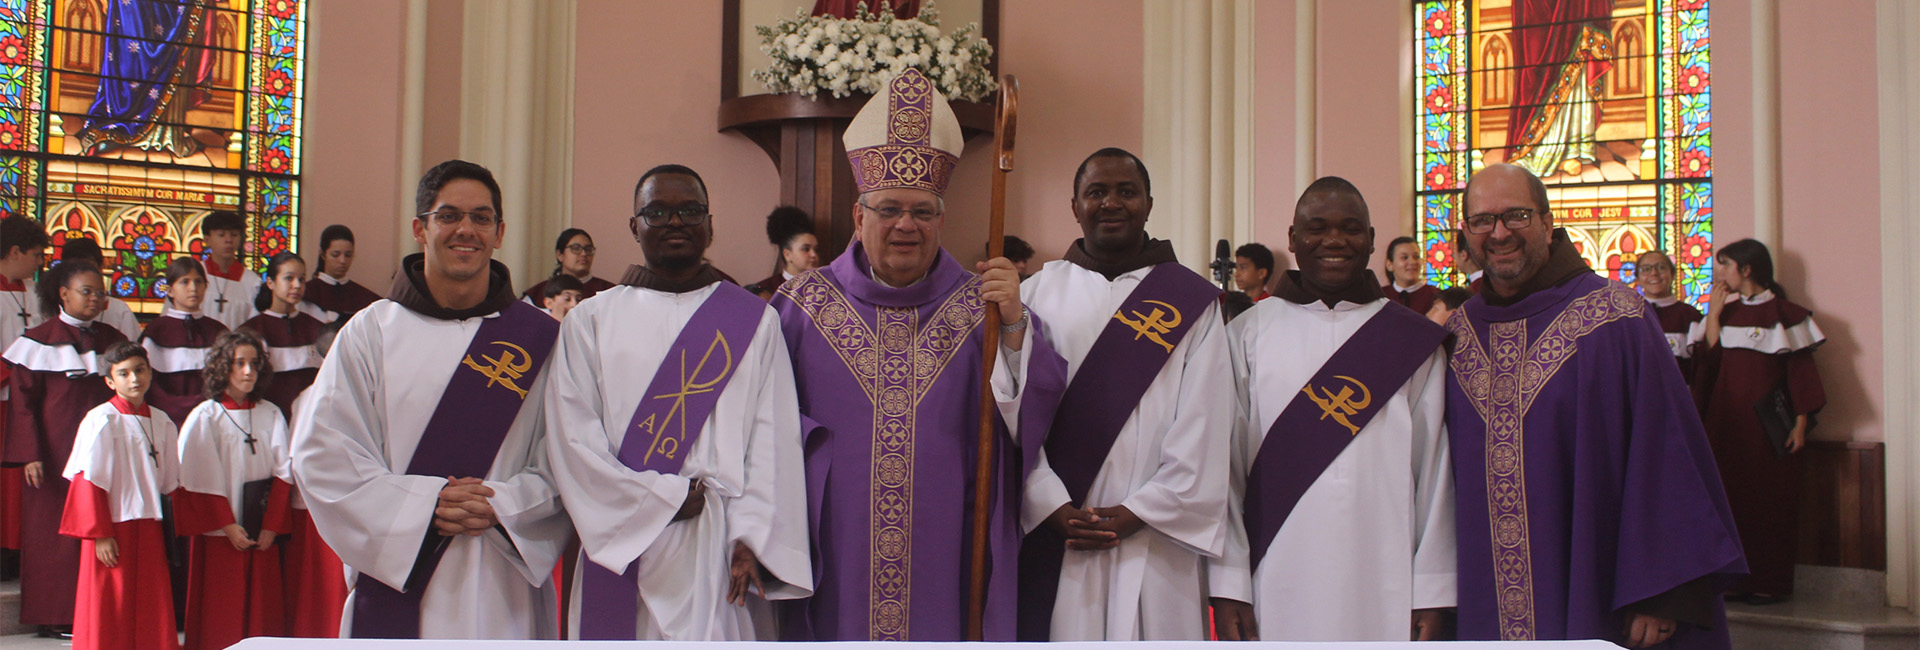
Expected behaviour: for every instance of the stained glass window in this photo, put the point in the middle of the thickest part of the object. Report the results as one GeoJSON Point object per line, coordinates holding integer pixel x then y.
{"type": "Point", "coordinates": [1606, 100]}
{"type": "Point", "coordinates": [129, 121]}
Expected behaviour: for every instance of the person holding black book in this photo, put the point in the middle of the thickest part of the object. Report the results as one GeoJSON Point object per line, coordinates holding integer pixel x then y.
{"type": "Point", "coordinates": [1759, 391]}
{"type": "Point", "coordinates": [233, 499]}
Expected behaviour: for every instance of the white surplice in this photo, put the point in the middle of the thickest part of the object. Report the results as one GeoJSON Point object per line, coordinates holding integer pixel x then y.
{"type": "Point", "coordinates": [231, 301]}
{"type": "Point", "coordinates": [351, 447]}
{"type": "Point", "coordinates": [130, 457]}
{"type": "Point", "coordinates": [747, 454]}
{"type": "Point", "coordinates": [1373, 538]}
{"type": "Point", "coordinates": [215, 457]}
{"type": "Point", "coordinates": [1167, 466]}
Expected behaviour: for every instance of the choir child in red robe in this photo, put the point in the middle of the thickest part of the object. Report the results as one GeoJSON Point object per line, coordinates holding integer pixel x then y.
{"type": "Point", "coordinates": [1752, 345]}
{"type": "Point", "coordinates": [289, 332]}
{"type": "Point", "coordinates": [178, 340]}
{"type": "Point", "coordinates": [20, 257]}
{"type": "Point", "coordinates": [1653, 276]}
{"type": "Point", "coordinates": [573, 253]}
{"type": "Point", "coordinates": [122, 468]}
{"type": "Point", "coordinates": [56, 375]}
{"type": "Point", "coordinates": [330, 290]}
{"type": "Point", "coordinates": [1407, 277]}
{"type": "Point", "coordinates": [233, 498]}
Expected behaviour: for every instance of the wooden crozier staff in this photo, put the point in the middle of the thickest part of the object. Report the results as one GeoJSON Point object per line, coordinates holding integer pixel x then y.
{"type": "Point", "coordinates": [1006, 113]}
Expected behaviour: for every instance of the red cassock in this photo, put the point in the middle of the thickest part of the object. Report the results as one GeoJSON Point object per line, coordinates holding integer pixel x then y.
{"type": "Point", "coordinates": [290, 347]}
{"type": "Point", "coordinates": [316, 583]}
{"type": "Point", "coordinates": [1765, 343]}
{"type": "Point", "coordinates": [12, 481]}
{"type": "Point", "coordinates": [231, 594]}
{"type": "Point", "coordinates": [177, 344]}
{"type": "Point", "coordinates": [55, 381]}
{"type": "Point", "coordinates": [121, 469]}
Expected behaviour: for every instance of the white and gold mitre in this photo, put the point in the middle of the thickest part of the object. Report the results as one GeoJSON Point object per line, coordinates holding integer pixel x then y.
{"type": "Point", "coordinates": [906, 136]}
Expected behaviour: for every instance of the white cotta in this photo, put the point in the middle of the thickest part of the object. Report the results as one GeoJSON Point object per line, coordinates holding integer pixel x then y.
{"type": "Point", "coordinates": [130, 457]}
{"type": "Point", "coordinates": [1164, 467]}
{"type": "Point", "coordinates": [351, 448]}
{"type": "Point", "coordinates": [231, 301]}
{"type": "Point", "coordinates": [215, 457]}
{"type": "Point", "coordinates": [1373, 537]}
{"type": "Point", "coordinates": [747, 454]}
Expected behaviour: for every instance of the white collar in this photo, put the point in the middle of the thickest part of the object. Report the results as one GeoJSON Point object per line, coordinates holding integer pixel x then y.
{"type": "Point", "coordinates": [270, 312]}
{"type": "Point", "coordinates": [64, 318]}
{"type": "Point", "coordinates": [1663, 302]}
{"type": "Point", "coordinates": [169, 312]}
{"type": "Point", "coordinates": [1409, 288]}
{"type": "Point", "coordinates": [1758, 298]}
{"type": "Point", "coordinates": [784, 275]}
{"type": "Point", "coordinates": [323, 277]}
{"type": "Point", "coordinates": [876, 278]}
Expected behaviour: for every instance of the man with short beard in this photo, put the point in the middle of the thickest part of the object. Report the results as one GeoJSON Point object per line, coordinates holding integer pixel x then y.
{"type": "Point", "coordinates": [1340, 454]}
{"type": "Point", "coordinates": [676, 440]}
{"type": "Point", "coordinates": [888, 357]}
{"type": "Point", "coordinates": [1127, 500]}
{"type": "Point", "coordinates": [1590, 506]}
{"type": "Point", "coordinates": [420, 454]}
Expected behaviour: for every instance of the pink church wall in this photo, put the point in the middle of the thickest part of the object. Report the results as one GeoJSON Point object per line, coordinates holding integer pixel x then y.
{"type": "Point", "coordinates": [351, 158]}
{"type": "Point", "coordinates": [1362, 45]}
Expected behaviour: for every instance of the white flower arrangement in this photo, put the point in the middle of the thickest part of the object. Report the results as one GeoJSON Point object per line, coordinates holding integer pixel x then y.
{"type": "Point", "coordinates": [813, 54]}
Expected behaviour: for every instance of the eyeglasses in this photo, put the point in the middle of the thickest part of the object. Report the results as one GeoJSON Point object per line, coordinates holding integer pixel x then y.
{"type": "Point", "coordinates": [453, 217]}
{"type": "Point", "coordinates": [656, 217]}
{"type": "Point", "coordinates": [1658, 267]}
{"type": "Point", "coordinates": [891, 214]}
{"type": "Point", "coordinates": [583, 249]}
{"type": "Point", "coordinates": [1515, 219]}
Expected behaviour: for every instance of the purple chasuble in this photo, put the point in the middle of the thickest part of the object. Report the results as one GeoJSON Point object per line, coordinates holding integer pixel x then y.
{"type": "Point", "coordinates": [1584, 479]}
{"type": "Point", "coordinates": [1135, 344]}
{"type": "Point", "coordinates": [684, 390]}
{"type": "Point", "coordinates": [1329, 412]}
{"type": "Point", "coordinates": [889, 387]}
{"type": "Point", "coordinates": [462, 437]}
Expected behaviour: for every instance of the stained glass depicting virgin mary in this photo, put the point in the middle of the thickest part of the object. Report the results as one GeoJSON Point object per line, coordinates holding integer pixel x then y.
{"type": "Point", "coordinates": [154, 69]}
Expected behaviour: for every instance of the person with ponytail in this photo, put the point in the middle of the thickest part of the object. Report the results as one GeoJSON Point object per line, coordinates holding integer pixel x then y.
{"type": "Point", "coordinates": [289, 332]}
{"type": "Point", "coordinates": [791, 231]}
{"type": "Point", "coordinates": [573, 255]}
{"type": "Point", "coordinates": [1407, 277]}
{"type": "Point", "coordinates": [178, 340]}
{"type": "Point", "coordinates": [1754, 354]}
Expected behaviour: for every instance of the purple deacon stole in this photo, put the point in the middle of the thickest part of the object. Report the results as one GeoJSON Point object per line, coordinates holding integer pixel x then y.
{"type": "Point", "coordinates": [461, 439]}
{"type": "Point", "coordinates": [663, 428]}
{"type": "Point", "coordinates": [1138, 341]}
{"type": "Point", "coordinates": [1329, 412]}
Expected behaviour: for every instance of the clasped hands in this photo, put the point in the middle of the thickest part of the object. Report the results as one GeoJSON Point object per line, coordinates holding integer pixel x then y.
{"type": "Point", "coordinates": [1094, 529]}
{"type": "Point", "coordinates": [463, 508]}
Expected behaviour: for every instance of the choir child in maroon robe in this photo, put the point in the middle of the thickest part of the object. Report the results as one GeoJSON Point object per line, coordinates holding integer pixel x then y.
{"type": "Point", "coordinates": [1754, 344]}
{"type": "Point", "coordinates": [573, 253]}
{"type": "Point", "coordinates": [289, 332]}
{"type": "Point", "coordinates": [791, 230]}
{"type": "Point", "coordinates": [21, 254]}
{"type": "Point", "coordinates": [1653, 275]}
{"type": "Point", "coordinates": [331, 290]}
{"type": "Point", "coordinates": [1589, 503]}
{"type": "Point", "coordinates": [233, 498]}
{"type": "Point", "coordinates": [1407, 276]}
{"type": "Point", "coordinates": [122, 469]}
{"type": "Point", "coordinates": [177, 341]}
{"type": "Point", "coordinates": [56, 375]}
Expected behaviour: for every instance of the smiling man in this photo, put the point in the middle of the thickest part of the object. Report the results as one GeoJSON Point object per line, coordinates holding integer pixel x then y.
{"type": "Point", "coordinates": [1339, 454]}
{"type": "Point", "coordinates": [420, 453]}
{"type": "Point", "coordinates": [887, 352]}
{"type": "Point", "coordinates": [1128, 498]}
{"type": "Point", "coordinates": [1590, 506]}
{"type": "Point", "coordinates": [685, 531]}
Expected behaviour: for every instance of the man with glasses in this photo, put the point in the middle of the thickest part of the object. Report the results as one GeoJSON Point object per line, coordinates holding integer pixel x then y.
{"type": "Point", "coordinates": [1654, 276]}
{"type": "Point", "coordinates": [676, 440]}
{"type": "Point", "coordinates": [888, 357]}
{"type": "Point", "coordinates": [420, 451]}
{"type": "Point", "coordinates": [1128, 498]}
{"type": "Point", "coordinates": [1589, 503]}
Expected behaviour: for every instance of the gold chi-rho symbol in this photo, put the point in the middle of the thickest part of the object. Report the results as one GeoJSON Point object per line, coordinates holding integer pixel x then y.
{"type": "Point", "coordinates": [666, 438]}
{"type": "Point", "coordinates": [1150, 325]}
{"type": "Point", "coordinates": [1340, 405]}
{"type": "Point", "coordinates": [504, 369]}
